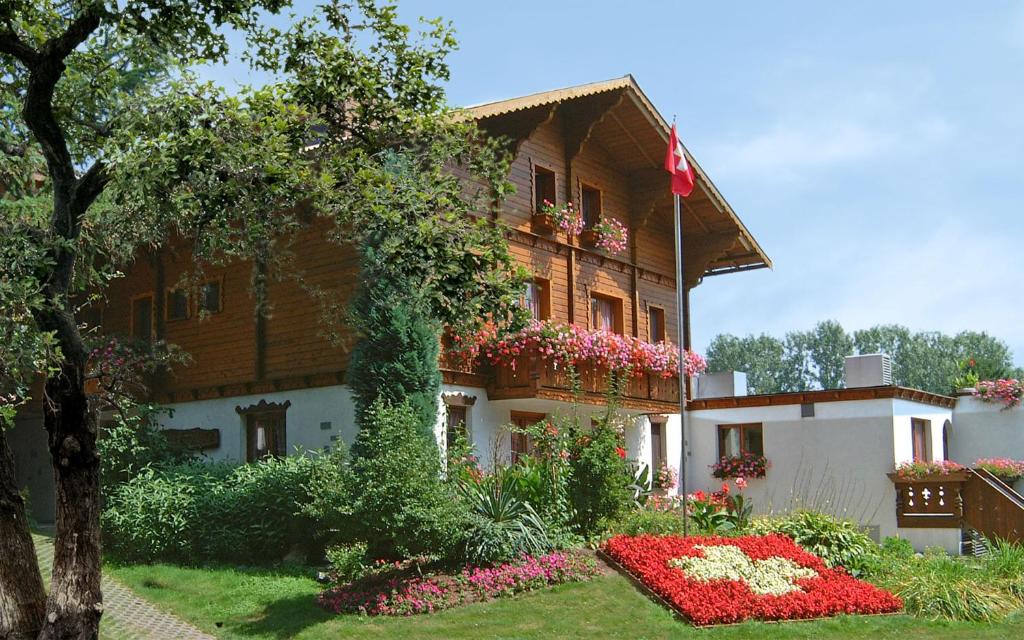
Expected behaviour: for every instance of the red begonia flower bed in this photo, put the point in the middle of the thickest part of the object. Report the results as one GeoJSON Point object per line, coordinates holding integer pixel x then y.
{"type": "Point", "coordinates": [714, 600]}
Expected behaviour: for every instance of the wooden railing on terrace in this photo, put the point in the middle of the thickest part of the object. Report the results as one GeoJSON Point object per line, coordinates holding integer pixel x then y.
{"type": "Point", "coordinates": [535, 377]}
{"type": "Point", "coordinates": [974, 498]}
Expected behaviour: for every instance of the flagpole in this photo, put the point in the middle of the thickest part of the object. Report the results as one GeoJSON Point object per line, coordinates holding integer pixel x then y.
{"type": "Point", "coordinates": [680, 305]}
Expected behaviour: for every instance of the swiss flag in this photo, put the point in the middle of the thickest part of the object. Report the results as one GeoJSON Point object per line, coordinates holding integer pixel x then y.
{"type": "Point", "coordinates": [676, 164]}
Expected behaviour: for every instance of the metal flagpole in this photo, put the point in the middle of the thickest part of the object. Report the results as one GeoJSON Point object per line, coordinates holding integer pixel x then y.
{"type": "Point", "coordinates": [680, 304]}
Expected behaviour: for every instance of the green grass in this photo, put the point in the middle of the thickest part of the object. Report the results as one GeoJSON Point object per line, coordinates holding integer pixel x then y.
{"type": "Point", "coordinates": [260, 603]}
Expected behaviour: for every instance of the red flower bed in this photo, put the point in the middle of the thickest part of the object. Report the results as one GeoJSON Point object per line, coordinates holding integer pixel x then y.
{"type": "Point", "coordinates": [724, 600]}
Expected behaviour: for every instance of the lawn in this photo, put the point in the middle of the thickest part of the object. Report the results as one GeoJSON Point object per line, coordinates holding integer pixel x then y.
{"type": "Point", "coordinates": [260, 603]}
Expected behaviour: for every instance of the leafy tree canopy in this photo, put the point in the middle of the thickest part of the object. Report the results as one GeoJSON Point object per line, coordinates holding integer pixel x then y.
{"type": "Point", "coordinates": [803, 360]}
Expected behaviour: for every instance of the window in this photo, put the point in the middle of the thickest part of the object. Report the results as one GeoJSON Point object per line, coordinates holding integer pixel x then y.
{"type": "Point", "coordinates": [520, 442]}
{"type": "Point", "coordinates": [210, 297]}
{"type": "Point", "coordinates": [590, 205]}
{"type": "Point", "coordinates": [657, 444]}
{"type": "Point", "coordinates": [142, 318]}
{"type": "Point", "coordinates": [537, 298]}
{"type": "Point", "coordinates": [656, 320]}
{"type": "Point", "coordinates": [266, 434]}
{"type": "Point", "coordinates": [737, 439]}
{"type": "Point", "coordinates": [543, 187]}
{"type": "Point", "coordinates": [455, 423]}
{"type": "Point", "coordinates": [606, 313]}
{"type": "Point", "coordinates": [919, 436]}
{"type": "Point", "coordinates": [176, 305]}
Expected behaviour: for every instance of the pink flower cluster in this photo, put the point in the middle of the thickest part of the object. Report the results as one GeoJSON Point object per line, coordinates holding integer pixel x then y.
{"type": "Point", "coordinates": [666, 478]}
{"type": "Point", "coordinates": [406, 596]}
{"type": "Point", "coordinates": [747, 465]}
{"type": "Point", "coordinates": [1005, 468]}
{"type": "Point", "coordinates": [567, 344]}
{"type": "Point", "coordinates": [921, 468]}
{"type": "Point", "coordinates": [1007, 391]}
{"type": "Point", "coordinates": [611, 235]}
{"type": "Point", "coordinates": [567, 218]}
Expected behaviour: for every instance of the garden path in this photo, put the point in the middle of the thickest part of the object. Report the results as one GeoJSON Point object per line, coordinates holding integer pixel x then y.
{"type": "Point", "coordinates": [126, 616]}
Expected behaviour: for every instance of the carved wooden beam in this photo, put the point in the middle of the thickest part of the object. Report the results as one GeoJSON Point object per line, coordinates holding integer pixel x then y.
{"type": "Point", "coordinates": [699, 251]}
{"type": "Point", "coordinates": [517, 127]}
{"type": "Point", "coordinates": [581, 116]}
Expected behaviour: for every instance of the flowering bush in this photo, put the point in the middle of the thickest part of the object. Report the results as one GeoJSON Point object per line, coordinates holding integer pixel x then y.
{"type": "Point", "coordinates": [920, 468]}
{"type": "Point", "coordinates": [611, 235]}
{"type": "Point", "coordinates": [714, 580]}
{"type": "Point", "coordinates": [719, 512]}
{"type": "Point", "coordinates": [667, 478]}
{"type": "Point", "coordinates": [747, 465]}
{"type": "Point", "coordinates": [567, 344]}
{"type": "Point", "coordinates": [1004, 468]}
{"type": "Point", "coordinates": [391, 595]}
{"type": "Point", "coordinates": [1008, 392]}
{"type": "Point", "coordinates": [567, 218]}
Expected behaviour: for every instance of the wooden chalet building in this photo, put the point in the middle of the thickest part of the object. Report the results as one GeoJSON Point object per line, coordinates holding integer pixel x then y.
{"type": "Point", "coordinates": [255, 387]}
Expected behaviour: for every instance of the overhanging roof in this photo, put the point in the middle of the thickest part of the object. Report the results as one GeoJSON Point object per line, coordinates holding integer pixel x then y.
{"type": "Point", "coordinates": [706, 209]}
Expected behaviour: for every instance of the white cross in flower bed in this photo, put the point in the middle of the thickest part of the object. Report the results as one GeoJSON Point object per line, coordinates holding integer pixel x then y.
{"type": "Point", "coordinates": [770, 576]}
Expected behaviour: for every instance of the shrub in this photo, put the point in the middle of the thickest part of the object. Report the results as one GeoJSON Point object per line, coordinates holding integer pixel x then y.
{"type": "Point", "coordinates": [503, 526]}
{"type": "Point", "coordinates": [251, 513]}
{"type": "Point", "coordinates": [131, 443]}
{"type": "Point", "coordinates": [401, 506]}
{"type": "Point", "coordinates": [348, 561]}
{"type": "Point", "coordinates": [600, 479]}
{"type": "Point", "coordinates": [395, 359]}
{"type": "Point", "coordinates": [655, 522]}
{"type": "Point", "coordinates": [939, 586]}
{"type": "Point", "coordinates": [839, 543]}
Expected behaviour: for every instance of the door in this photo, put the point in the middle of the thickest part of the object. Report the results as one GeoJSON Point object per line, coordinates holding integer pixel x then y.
{"type": "Point", "coordinates": [265, 435]}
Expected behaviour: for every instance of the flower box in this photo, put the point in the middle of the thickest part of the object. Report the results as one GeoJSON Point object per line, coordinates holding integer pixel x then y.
{"type": "Point", "coordinates": [931, 478]}
{"type": "Point", "coordinates": [543, 223]}
{"type": "Point", "coordinates": [717, 580]}
{"type": "Point", "coordinates": [589, 238]}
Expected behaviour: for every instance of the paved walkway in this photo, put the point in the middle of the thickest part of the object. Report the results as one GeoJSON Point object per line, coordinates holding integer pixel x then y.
{"type": "Point", "coordinates": [126, 616]}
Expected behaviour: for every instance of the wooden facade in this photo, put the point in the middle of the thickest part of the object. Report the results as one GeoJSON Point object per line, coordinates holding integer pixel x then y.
{"type": "Point", "coordinates": [604, 136]}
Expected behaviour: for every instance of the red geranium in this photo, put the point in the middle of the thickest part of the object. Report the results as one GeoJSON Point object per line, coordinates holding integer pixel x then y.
{"type": "Point", "coordinates": [716, 601]}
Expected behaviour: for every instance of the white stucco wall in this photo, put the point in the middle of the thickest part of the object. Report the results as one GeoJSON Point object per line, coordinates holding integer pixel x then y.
{"type": "Point", "coordinates": [309, 409]}
{"type": "Point", "coordinates": [985, 430]}
{"type": "Point", "coordinates": [835, 461]}
{"type": "Point", "coordinates": [903, 412]}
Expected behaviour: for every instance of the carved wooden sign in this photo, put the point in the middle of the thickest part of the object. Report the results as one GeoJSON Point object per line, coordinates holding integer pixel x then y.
{"type": "Point", "coordinates": [195, 439]}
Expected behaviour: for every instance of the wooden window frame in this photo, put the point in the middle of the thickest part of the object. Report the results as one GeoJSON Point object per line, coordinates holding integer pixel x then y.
{"type": "Point", "coordinates": [263, 408]}
{"type": "Point", "coordinates": [152, 315]}
{"type": "Point", "coordinates": [743, 427]}
{"type": "Point", "coordinates": [200, 297]}
{"type": "Point", "coordinates": [925, 439]}
{"type": "Point", "coordinates": [664, 329]}
{"type": "Point", "coordinates": [461, 401]}
{"type": "Point", "coordinates": [662, 423]}
{"type": "Point", "coordinates": [544, 168]}
{"type": "Point", "coordinates": [584, 186]}
{"type": "Point", "coordinates": [543, 285]}
{"type": "Point", "coordinates": [168, 292]}
{"type": "Point", "coordinates": [534, 418]}
{"type": "Point", "coordinates": [618, 311]}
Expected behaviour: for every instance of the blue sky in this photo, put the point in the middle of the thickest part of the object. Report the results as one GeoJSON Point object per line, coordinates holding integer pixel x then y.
{"type": "Point", "coordinates": [873, 148]}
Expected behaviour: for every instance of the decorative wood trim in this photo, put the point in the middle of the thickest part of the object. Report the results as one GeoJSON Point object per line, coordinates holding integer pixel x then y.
{"type": "Point", "coordinates": [458, 399]}
{"type": "Point", "coordinates": [263, 406]}
{"type": "Point", "coordinates": [828, 395]}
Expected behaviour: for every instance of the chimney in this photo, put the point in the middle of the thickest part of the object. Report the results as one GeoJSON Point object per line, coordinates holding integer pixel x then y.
{"type": "Point", "coordinates": [724, 384]}
{"type": "Point", "coordinates": [869, 370]}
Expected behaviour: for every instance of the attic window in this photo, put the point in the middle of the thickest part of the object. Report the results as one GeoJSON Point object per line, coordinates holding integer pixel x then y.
{"type": "Point", "coordinates": [543, 187]}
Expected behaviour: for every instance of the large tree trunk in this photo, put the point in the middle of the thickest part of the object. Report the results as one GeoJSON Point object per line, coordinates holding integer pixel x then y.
{"type": "Point", "coordinates": [22, 599]}
{"type": "Point", "coordinates": [75, 604]}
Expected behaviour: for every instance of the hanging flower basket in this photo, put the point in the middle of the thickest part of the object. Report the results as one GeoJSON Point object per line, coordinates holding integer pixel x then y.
{"type": "Point", "coordinates": [611, 235]}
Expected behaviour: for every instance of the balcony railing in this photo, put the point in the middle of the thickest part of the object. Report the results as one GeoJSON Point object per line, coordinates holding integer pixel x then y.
{"type": "Point", "coordinates": [536, 377]}
{"type": "Point", "coordinates": [932, 501]}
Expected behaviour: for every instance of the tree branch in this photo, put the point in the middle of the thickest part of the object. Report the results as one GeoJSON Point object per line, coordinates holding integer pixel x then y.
{"type": "Point", "coordinates": [90, 186]}
{"type": "Point", "coordinates": [12, 45]}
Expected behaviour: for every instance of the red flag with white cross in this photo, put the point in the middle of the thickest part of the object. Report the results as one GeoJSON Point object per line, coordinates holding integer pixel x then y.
{"type": "Point", "coordinates": [676, 164]}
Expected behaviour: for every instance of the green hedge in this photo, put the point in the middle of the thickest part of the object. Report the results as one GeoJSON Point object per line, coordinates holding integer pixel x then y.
{"type": "Point", "coordinates": [251, 513]}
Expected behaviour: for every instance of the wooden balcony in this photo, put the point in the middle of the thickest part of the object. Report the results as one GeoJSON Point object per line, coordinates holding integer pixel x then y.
{"type": "Point", "coordinates": [534, 377]}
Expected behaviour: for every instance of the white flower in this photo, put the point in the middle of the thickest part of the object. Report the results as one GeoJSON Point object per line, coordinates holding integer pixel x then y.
{"type": "Point", "coordinates": [771, 576]}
